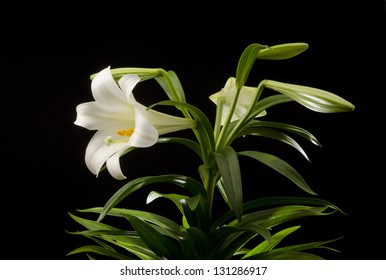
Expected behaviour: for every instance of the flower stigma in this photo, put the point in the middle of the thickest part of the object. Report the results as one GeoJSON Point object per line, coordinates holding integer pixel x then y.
{"type": "Point", "coordinates": [122, 132]}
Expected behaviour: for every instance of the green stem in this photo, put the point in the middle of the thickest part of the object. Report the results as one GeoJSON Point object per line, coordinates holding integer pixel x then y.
{"type": "Point", "coordinates": [217, 125]}
{"type": "Point", "coordinates": [198, 133]}
{"type": "Point", "coordinates": [246, 117]}
{"type": "Point", "coordinates": [212, 176]}
{"type": "Point", "coordinates": [224, 129]}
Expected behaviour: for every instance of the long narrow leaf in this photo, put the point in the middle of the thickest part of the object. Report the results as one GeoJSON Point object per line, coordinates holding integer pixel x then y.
{"type": "Point", "coordinates": [205, 126]}
{"type": "Point", "coordinates": [194, 146]}
{"type": "Point", "coordinates": [162, 222]}
{"type": "Point", "coordinates": [197, 246]}
{"type": "Point", "coordinates": [286, 256]}
{"type": "Point", "coordinates": [91, 225]}
{"type": "Point", "coordinates": [275, 201]}
{"type": "Point", "coordinates": [175, 198]}
{"type": "Point", "coordinates": [228, 240]}
{"type": "Point", "coordinates": [295, 251]}
{"type": "Point", "coordinates": [276, 135]}
{"type": "Point", "coordinates": [246, 62]}
{"type": "Point", "coordinates": [275, 216]}
{"type": "Point", "coordinates": [266, 246]}
{"type": "Point", "coordinates": [267, 102]}
{"type": "Point", "coordinates": [197, 213]}
{"type": "Point", "coordinates": [229, 168]}
{"type": "Point", "coordinates": [171, 85]}
{"type": "Point", "coordinates": [139, 249]}
{"type": "Point", "coordinates": [160, 244]}
{"type": "Point", "coordinates": [100, 251]}
{"type": "Point", "coordinates": [186, 182]}
{"type": "Point", "coordinates": [130, 242]}
{"type": "Point", "coordinates": [280, 166]}
{"type": "Point", "coordinates": [286, 127]}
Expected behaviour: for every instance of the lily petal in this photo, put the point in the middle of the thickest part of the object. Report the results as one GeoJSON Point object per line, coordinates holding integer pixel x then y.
{"type": "Point", "coordinates": [98, 151]}
{"type": "Point", "coordinates": [106, 91]}
{"type": "Point", "coordinates": [145, 134]}
{"type": "Point", "coordinates": [114, 166]}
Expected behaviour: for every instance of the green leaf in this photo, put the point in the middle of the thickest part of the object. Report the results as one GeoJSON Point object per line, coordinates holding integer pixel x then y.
{"type": "Point", "coordinates": [204, 127]}
{"type": "Point", "coordinates": [172, 89]}
{"type": "Point", "coordinates": [312, 98]}
{"type": "Point", "coordinates": [100, 251]}
{"type": "Point", "coordinates": [91, 225]}
{"type": "Point", "coordinates": [280, 166]}
{"type": "Point", "coordinates": [196, 212]}
{"type": "Point", "coordinates": [229, 168]}
{"type": "Point", "coordinates": [245, 64]}
{"type": "Point", "coordinates": [175, 198]}
{"type": "Point", "coordinates": [263, 231]}
{"type": "Point", "coordinates": [275, 201]}
{"type": "Point", "coordinates": [228, 240]}
{"type": "Point", "coordinates": [286, 127]}
{"type": "Point", "coordinates": [160, 244]}
{"type": "Point", "coordinates": [274, 134]}
{"type": "Point", "coordinates": [169, 227]}
{"type": "Point", "coordinates": [275, 216]}
{"type": "Point", "coordinates": [127, 240]}
{"type": "Point", "coordinates": [286, 256]}
{"type": "Point", "coordinates": [267, 102]}
{"type": "Point", "coordinates": [139, 249]}
{"type": "Point", "coordinates": [295, 252]}
{"type": "Point", "coordinates": [220, 186]}
{"type": "Point", "coordinates": [186, 182]}
{"type": "Point", "coordinates": [193, 145]}
{"type": "Point", "coordinates": [196, 246]}
{"type": "Point", "coordinates": [308, 246]}
{"type": "Point", "coordinates": [266, 246]}
{"type": "Point", "coordinates": [282, 51]}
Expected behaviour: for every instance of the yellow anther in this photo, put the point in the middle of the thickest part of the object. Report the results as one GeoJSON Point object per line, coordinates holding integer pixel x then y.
{"type": "Point", "coordinates": [125, 132]}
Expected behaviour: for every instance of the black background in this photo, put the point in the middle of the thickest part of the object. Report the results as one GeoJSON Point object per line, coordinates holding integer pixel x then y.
{"type": "Point", "coordinates": [45, 74]}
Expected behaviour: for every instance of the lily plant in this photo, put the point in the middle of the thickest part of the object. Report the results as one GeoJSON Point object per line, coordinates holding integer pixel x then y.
{"type": "Point", "coordinates": [250, 229]}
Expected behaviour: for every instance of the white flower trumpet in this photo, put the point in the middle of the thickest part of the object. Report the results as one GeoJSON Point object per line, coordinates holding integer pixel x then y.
{"type": "Point", "coordinates": [121, 122]}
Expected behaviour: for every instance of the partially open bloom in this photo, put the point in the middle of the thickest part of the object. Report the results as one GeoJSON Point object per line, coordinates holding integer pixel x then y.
{"type": "Point", "coordinates": [121, 122]}
{"type": "Point", "coordinates": [244, 101]}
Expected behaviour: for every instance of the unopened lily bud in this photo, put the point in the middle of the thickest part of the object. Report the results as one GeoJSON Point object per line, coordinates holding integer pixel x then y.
{"type": "Point", "coordinates": [313, 98]}
{"type": "Point", "coordinates": [283, 51]}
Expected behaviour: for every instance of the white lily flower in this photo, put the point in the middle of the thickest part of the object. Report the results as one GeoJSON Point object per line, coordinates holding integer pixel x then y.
{"type": "Point", "coordinates": [244, 101]}
{"type": "Point", "coordinates": [121, 122]}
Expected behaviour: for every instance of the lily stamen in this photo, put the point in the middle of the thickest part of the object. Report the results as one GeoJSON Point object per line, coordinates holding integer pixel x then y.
{"type": "Point", "coordinates": [125, 132]}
